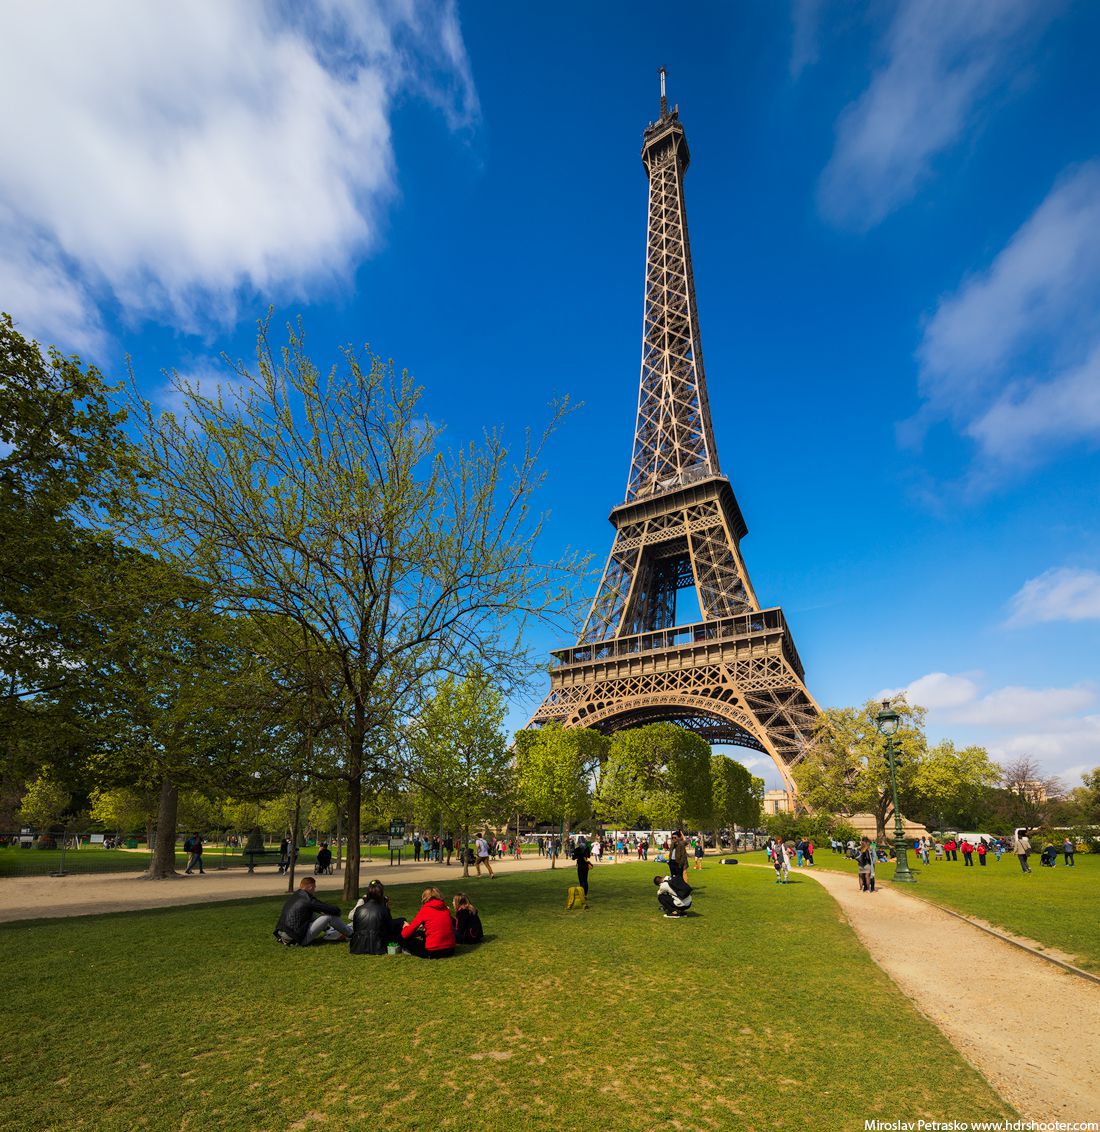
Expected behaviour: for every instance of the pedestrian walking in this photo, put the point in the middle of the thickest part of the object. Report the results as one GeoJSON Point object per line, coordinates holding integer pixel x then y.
{"type": "Point", "coordinates": [1022, 848]}
{"type": "Point", "coordinates": [865, 863]}
{"type": "Point", "coordinates": [780, 861]}
{"type": "Point", "coordinates": [482, 852]}
{"type": "Point", "coordinates": [584, 864]}
{"type": "Point", "coordinates": [196, 854]}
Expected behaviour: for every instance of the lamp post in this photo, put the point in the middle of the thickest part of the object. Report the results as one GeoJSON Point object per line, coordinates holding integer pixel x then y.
{"type": "Point", "coordinates": [887, 722]}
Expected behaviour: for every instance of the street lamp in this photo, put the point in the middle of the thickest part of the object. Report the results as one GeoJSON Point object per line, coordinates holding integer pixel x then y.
{"type": "Point", "coordinates": [887, 722]}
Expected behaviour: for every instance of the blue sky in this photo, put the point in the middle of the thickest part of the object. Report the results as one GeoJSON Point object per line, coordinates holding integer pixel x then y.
{"type": "Point", "coordinates": [895, 222]}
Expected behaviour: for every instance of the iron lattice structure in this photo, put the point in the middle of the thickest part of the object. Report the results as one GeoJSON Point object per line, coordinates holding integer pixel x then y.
{"type": "Point", "coordinates": [733, 676]}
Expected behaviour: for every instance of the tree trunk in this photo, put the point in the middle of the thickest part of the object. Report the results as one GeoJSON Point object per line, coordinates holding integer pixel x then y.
{"type": "Point", "coordinates": [163, 862]}
{"type": "Point", "coordinates": [294, 839]}
{"type": "Point", "coordinates": [465, 858]}
{"type": "Point", "coordinates": [339, 836]}
{"type": "Point", "coordinates": [355, 796]}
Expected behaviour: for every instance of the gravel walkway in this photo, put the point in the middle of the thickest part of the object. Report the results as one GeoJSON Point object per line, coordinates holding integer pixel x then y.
{"type": "Point", "coordinates": [34, 898]}
{"type": "Point", "coordinates": [1028, 1027]}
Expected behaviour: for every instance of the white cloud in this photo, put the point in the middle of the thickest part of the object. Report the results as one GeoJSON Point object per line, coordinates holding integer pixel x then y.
{"type": "Point", "coordinates": [1066, 749]}
{"type": "Point", "coordinates": [1061, 594]}
{"type": "Point", "coordinates": [169, 158]}
{"type": "Point", "coordinates": [1015, 706]}
{"type": "Point", "coordinates": [806, 16]}
{"type": "Point", "coordinates": [941, 58]}
{"type": "Point", "coordinates": [938, 691]}
{"type": "Point", "coordinates": [1047, 723]}
{"type": "Point", "coordinates": [1013, 357]}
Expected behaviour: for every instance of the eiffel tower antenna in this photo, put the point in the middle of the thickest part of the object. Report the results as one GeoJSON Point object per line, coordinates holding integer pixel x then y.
{"type": "Point", "coordinates": [734, 675]}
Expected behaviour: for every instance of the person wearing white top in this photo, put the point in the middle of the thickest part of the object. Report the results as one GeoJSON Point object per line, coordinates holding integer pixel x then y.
{"type": "Point", "coordinates": [481, 851]}
{"type": "Point", "coordinates": [1022, 849]}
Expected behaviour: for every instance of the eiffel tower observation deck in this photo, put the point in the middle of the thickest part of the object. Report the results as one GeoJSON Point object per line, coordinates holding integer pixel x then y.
{"type": "Point", "coordinates": [733, 676]}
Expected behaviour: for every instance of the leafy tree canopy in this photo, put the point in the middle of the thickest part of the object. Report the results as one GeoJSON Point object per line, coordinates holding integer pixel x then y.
{"type": "Point", "coordinates": [658, 775]}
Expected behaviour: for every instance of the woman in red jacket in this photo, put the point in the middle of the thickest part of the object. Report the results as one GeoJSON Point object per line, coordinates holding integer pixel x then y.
{"type": "Point", "coordinates": [431, 933]}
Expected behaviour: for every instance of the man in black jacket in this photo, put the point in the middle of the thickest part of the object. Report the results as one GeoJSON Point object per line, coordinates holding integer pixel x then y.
{"type": "Point", "coordinates": [304, 918]}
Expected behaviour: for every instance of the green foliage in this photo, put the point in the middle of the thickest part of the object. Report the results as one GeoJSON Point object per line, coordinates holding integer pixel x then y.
{"type": "Point", "coordinates": [656, 777]}
{"type": "Point", "coordinates": [460, 753]}
{"type": "Point", "coordinates": [240, 816]}
{"type": "Point", "coordinates": [276, 815]}
{"type": "Point", "coordinates": [952, 788]}
{"type": "Point", "coordinates": [63, 457]}
{"type": "Point", "coordinates": [322, 815]}
{"type": "Point", "coordinates": [845, 768]}
{"type": "Point", "coordinates": [125, 809]}
{"type": "Point", "coordinates": [44, 803]}
{"type": "Point", "coordinates": [554, 765]}
{"type": "Point", "coordinates": [737, 796]}
{"type": "Point", "coordinates": [816, 827]}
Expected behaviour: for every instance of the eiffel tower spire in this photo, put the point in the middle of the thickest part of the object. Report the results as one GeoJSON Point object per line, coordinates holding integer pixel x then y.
{"type": "Point", "coordinates": [733, 675]}
{"type": "Point", "coordinates": [673, 438]}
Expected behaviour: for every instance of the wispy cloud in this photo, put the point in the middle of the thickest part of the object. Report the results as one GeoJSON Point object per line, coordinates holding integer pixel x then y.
{"type": "Point", "coordinates": [941, 59]}
{"type": "Point", "coordinates": [1048, 723]}
{"type": "Point", "coordinates": [169, 158]}
{"type": "Point", "coordinates": [1013, 357]}
{"type": "Point", "coordinates": [806, 17]}
{"type": "Point", "coordinates": [1061, 594]}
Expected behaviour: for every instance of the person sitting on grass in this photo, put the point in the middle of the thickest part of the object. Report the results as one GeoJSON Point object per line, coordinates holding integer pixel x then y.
{"type": "Point", "coordinates": [373, 925]}
{"type": "Point", "coordinates": [305, 919]}
{"type": "Point", "coordinates": [431, 933]}
{"type": "Point", "coordinates": [673, 895]}
{"type": "Point", "coordinates": [467, 921]}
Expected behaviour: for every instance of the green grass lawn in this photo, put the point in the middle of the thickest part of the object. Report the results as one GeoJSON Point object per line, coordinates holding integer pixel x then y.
{"type": "Point", "coordinates": [760, 1012]}
{"type": "Point", "coordinates": [1055, 907]}
{"type": "Point", "coordinates": [15, 861]}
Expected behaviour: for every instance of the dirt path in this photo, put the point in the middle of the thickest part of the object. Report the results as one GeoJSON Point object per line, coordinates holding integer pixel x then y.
{"type": "Point", "coordinates": [33, 898]}
{"type": "Point", "coordinates": [1027, 1026]}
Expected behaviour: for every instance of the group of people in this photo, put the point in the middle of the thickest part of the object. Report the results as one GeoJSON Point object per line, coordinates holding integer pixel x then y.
{"type": "Point", "coordinates": [433, 933]}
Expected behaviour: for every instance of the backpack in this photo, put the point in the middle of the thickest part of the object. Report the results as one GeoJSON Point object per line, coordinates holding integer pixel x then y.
{"type": "Point", "coordinates": [189, 845]}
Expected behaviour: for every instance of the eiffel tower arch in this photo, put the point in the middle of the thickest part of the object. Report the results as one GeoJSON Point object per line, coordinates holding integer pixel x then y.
{"type": "Point", "coordinates": [733, 676]}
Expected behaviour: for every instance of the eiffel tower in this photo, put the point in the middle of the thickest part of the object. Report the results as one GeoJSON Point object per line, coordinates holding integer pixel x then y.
{"type": "Point", "coordinates": [734, 676]}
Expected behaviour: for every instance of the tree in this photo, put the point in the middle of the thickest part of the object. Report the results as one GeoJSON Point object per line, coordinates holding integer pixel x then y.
{"type": "Point", "coordinates": [124, 809]}
{"type": "Point", "coordinates": [45, 803]}
{"type": "Point", "coordinates": [656, 776]}
{"type": "Point", "coordinates": [952, 787]}
{"type": "Point", "coordinates": [240, 816]}
{"type": "Point", "coordinates": [63, 457]}
{"type": "Point", "coordinates": [460, 756]}
{"type": "Point", "coordinates": [554, 766]}
{"type": "Point", "coordinates": [845, 768]}
{"type": "Point", "coordinates": [328, 504]}
{"type": "Point", "coordinates": [185, 701]}
{"type": "Point", "coordinates": [1029, 793]}
{"type": "Point", "coordinates": [737, 797]}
